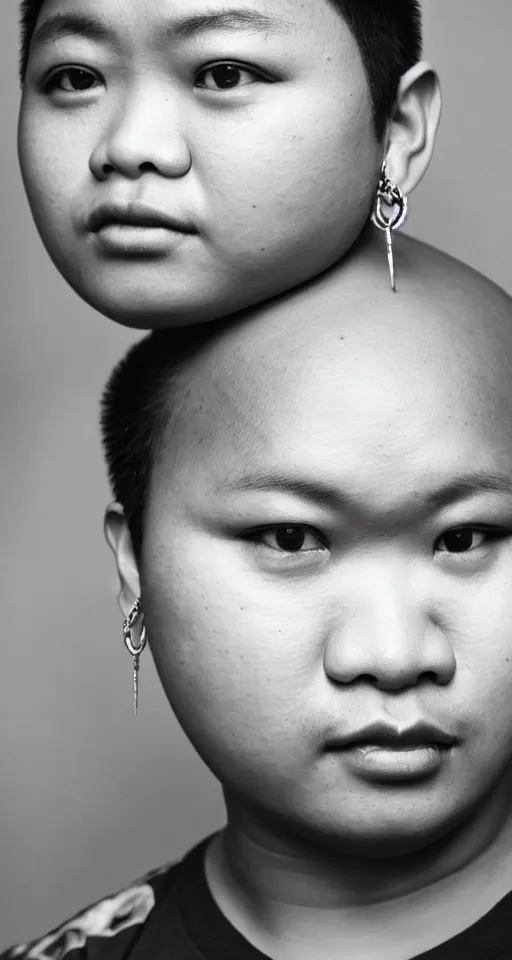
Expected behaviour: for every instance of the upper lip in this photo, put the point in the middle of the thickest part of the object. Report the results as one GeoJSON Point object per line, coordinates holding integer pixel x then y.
{"type": "Point", "coordinates": [384, 734]}
{"type": "Point", "coordinates": [136, 214]}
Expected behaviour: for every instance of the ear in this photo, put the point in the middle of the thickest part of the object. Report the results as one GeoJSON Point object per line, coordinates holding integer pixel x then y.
{"type": "Point", "coordinates": [413, 127]}
{"type": "Point", "coordinates": [119, 539]}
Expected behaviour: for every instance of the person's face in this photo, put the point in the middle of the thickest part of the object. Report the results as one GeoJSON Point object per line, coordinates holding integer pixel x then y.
{"type": "Point", "coordinates": [328, 544]}
{"type": "Point", "coordinates": [249, 130]}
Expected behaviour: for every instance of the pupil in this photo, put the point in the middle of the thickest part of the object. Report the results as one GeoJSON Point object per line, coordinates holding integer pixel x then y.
{"type": "Point", "coordinates": [226, 76]}
{"type": "Point", "coordinates": [459, 540]}
{"type": "Point", "coordinates": [80, 79]}
{"type": "Point", "coordinates": [290, 538]}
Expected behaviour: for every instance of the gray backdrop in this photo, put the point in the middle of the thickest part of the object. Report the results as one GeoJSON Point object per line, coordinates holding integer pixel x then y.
{"type": "Point", "coordinates": [91, 797]}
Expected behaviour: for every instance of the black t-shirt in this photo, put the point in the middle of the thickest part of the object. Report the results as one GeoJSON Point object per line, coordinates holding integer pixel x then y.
{"type": "Point", "coordinates": [170, 914]}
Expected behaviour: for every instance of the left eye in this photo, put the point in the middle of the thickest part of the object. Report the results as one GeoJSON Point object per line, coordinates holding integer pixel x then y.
{"type": "Point", "coordinates": [290, 539]}
{"type": "Point", "coordinates": [463, 540]}
{"type": "Point", "coordinates": [226, 76]}
{"type": "Point", "coordinates": [72, 80]}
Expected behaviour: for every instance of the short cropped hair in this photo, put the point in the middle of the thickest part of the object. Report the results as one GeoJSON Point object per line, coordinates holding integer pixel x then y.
{"type": "Point", "coordinates": [136, 407]}
{"type": "Point", "coordinates": [387, 32]}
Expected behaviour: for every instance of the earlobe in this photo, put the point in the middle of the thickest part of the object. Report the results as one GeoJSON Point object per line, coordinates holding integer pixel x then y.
{"type": "Point", "coordinates": [413, 127]}
{"type": "Point", "coordinates": [118, 538]}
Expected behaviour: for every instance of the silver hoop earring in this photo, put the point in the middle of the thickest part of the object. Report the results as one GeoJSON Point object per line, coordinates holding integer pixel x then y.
{"type": "Point", "coordinates": [389, 195]}
{"type": "Point", "coordinates": [134, 620]}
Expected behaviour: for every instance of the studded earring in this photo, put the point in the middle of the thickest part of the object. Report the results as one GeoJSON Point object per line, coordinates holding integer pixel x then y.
{"type": "Point", "coordinates": [391, 197]}
{"type": "Point", "coordinates": [135, 622]}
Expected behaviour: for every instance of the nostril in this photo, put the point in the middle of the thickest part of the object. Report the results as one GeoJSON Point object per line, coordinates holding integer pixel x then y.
{"type": "Point", "coordinates": [429, 675]}
{"type": "Point", "coordinates": [367, 679]}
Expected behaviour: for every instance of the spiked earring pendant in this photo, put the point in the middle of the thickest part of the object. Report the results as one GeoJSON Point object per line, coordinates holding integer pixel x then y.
{"type": "Point", "coordinates": [134, 622]}
{"type": "Point", "coordinates": [391, 197]}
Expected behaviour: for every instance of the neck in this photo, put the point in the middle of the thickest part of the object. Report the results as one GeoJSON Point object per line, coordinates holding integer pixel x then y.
{"type": "Point", "coordinates": [368, 257]}
{"type": "Point", "coordinates": [278, 888]}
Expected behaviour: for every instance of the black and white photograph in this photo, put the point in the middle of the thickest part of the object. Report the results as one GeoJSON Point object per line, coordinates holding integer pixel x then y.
{"type": "Point", "coordinates": [256, 412]}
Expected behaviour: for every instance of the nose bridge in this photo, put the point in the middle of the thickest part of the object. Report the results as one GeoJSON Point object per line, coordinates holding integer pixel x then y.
{"type": "Point", "coordinates": [395, 612]}
{"type": "Point", "coordinates": [142, 108]}
{"type": "Point", "coordinates": [144, 128]}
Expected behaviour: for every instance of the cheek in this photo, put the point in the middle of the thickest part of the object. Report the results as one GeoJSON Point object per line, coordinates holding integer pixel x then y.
{"type": "Point", "coordinates": [316, 163]}
{"type": "Point", "coordinates": [226, 642]}
{"type": "Point", "coordinates": [484, 623]}
{"type": "Point", "coordinates": [54, 161]}
{"type": "Point", "coordinates": [479, 626]}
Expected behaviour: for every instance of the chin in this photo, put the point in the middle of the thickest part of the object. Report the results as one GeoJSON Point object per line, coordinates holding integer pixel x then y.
{"type": "Point", "coordinates": [145, 312]}
{"type": "Point", "coordinates": [378, 838]}
{"type": "Point", "coordinates": [394, 844]}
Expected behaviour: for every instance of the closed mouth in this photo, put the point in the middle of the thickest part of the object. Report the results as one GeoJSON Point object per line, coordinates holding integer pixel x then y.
{"type": "Point", "coordinates": [384, 737]}
{"type": "Point", "coordinates": [136, 217]}
{"type": "Point", "coordinates": [397, 746]}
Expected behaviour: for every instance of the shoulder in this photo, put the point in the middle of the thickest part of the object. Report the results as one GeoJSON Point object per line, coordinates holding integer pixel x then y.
{"type": "Point", "coordinates": [429, 265]}
{"type": "Point", "coordinates": [425, 275]}
{"type": "Point", "coordinates": [104, 930]}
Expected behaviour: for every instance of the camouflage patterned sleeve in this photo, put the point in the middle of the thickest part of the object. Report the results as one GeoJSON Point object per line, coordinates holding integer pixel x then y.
{"type": "Point", "coordinates": [107, 930]}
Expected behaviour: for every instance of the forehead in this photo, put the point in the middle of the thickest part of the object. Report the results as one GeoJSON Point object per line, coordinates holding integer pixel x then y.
{"type": "Point", "coordinates": [183, 19]}
{"type": "Point", "coordinates": [380, 413]}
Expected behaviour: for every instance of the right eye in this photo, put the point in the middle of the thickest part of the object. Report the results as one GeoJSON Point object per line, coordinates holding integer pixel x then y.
{"type": "Point", "coordinates": [72, 80]}
{"type": "Point", "coordinates": [293, 538]}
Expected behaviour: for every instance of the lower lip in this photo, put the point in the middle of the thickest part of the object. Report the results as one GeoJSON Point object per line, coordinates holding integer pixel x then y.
{"type": "Point", "coordinates": [118, 238]}
{"type": "Point", "coordinates": [396, 763]}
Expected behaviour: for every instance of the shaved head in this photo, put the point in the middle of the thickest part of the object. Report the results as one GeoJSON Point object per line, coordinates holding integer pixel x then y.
{"type": "Point", "coordinates": [440, 351]}
{"type": "Point", "coordinates": [313, 376]}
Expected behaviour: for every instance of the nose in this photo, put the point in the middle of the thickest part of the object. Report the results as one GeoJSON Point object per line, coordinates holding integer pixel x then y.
{"type": "Point", "coordinates": [142, 134]}
{"type": "Point", "coordinates": [388, 634]}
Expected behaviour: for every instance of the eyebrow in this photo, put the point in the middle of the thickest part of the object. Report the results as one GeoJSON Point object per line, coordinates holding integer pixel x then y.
{"type": "Point", "coordinates": [303, 487]}
{"type": "Point", "coordinates": [460, 488]}
{"type": "Point", "coordinates": [185, 28]}
{"type": "Point", "coordinates": [469, 484]}
{"type": "Point", "coordinates": [235, 18]}
{"type": "Point", "coordinates": [64, 24]}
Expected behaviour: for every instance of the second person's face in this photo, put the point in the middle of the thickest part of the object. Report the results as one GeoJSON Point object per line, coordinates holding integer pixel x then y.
{"type": "Point", "coordinates": [328, 545]}
{"type": "Point", "coordinates": [184, 159]}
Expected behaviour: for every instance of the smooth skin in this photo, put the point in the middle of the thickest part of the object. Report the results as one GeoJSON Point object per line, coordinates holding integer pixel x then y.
{"type": "Point", "coordinates": [254, 128]}
{"type": "Point", "coordinates": [379, 428]}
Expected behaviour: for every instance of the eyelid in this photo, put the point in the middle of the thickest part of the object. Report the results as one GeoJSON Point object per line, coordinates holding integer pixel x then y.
{"type": "Point", "coordinates": [54, 73]}
{"type": "Point", "coordinates": [257, 532]}
{"type": "Point", "coordinates": [250, 68]}
{"type": "Point", "coordinates": [488, 530]}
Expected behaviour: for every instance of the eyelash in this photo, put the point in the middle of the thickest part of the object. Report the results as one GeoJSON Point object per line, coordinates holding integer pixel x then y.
{"type": "Point", "coordinates": [241, 67]}
{"type": "Point", "coordinates": [51, 83]}
{"type": "Point", "coordinates": [256, 536]}
{"type": "Point", "coordinates": [491, 535]}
